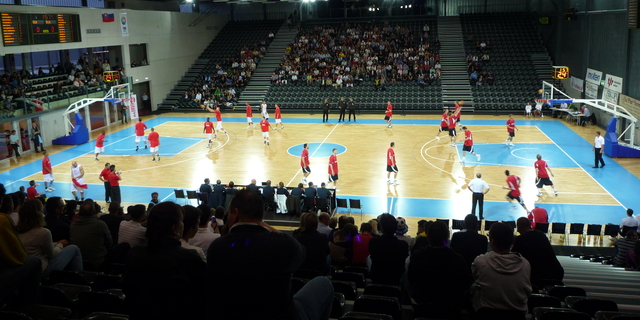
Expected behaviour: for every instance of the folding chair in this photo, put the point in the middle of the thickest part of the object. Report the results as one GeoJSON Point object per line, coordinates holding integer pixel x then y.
{"type": "Point", "coordinates": [341, 203]}
{"type": "Point", "coordinates": [193, 195]}
{"type": "Point", "coordinates": [356, 204]}
{"type": "Point", "coordinates": [180, 195]}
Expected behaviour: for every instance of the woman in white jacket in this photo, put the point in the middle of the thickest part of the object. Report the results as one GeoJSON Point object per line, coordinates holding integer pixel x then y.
{"type": "Point", "coordinates": [38, 242]}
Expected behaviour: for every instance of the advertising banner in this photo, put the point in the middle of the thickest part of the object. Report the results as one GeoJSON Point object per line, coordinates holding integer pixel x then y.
{"type": "Point", "coordinates": [577, 83]}
{"type": "Point", "coordinates": [124, 25]}
{"type": "Point", "coordinates": [591, 90]}
{"type": "Point", "coordinates": [610, 96]}
{"type": "Point", "coordinates": [594, 76]}
{"type": "Point", "coordinates": [613, 83]}
{"type": "Point", "coordinates": [133, 107]}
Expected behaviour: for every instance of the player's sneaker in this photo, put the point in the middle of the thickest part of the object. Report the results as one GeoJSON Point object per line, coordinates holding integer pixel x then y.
{"type": "Point", "coordinates": [478, 157]}
{"type": "Point", "coordinates": [137, 148]}
{"type": "Point", "coordinates": [506, 142]}
{"type": "Point", "coordinates": [96, 159]}
{"type": "Point", "coordinates": [388, 181]}
{"type": "Point", "coordinates": [437, 138]}
{"type": "Point", "coordinates": [264, 141]}
{"type": "Point", "coordinates": [267, 142]}
{"type": "Point", "coordinates": [154, 159]}
{"type": "Point", "coordinates": [145, 146]}
{"type": "Point", "coordinates": [464, 159]}
{"type": "Point", "coordinates": [276, 128]}
{"type": "Point", "coordinates": [216, 136]}
{"type": "Point", "coordinates": [395, 182]}
{"type": "Point", "coordinates": [282, 127]}
{"type": "Point", "coordinates": [556, 192]}
{"type": "Point", "coordinates": [52, 189]}
{"type": "Point", "coordinates": [248, 127]}
{"type": "Point", "coordinates": [47, 190]}
{"type": "Point", "coordinates": [226, 133]}
{"type": "Point", "coordinates": [511, 144]}
{"type": "Point", "coordinates": [539, 194]}
{"type": "Point", "coordinates": [158, 158]}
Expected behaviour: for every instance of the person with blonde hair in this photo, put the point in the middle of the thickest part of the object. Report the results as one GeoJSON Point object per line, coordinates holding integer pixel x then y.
{"type": "Point", "coordinates": [38, 242]}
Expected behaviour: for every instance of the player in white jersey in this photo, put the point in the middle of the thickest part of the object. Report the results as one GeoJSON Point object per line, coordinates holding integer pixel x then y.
{"type": "Point", "coordinates": [77, 180]}
{"type": "Point", "coordinates": [263, 110]}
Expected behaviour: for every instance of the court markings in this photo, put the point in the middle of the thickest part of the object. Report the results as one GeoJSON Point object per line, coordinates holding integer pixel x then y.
{"type": "Point", "coordinates": [314, 152]}
{"type": "Point", "coordinates": [585, 171]}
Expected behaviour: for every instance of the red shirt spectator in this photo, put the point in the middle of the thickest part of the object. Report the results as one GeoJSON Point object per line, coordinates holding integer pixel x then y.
{"type": "Point", "coordinates": [538, 215]}
{"type": "Point", "coordinates": [32, 193]}
{"type": "Point", "coordinates": [361, 248]}
{"type": "Point", "coordinates": [114, 179]}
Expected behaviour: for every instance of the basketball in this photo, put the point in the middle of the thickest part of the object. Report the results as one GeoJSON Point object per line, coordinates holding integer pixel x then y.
{"type": "Point", "coordinates": [540, 91]}
{"type": "Point", "coordinates": [461, 102]}
{"type": "Point", "coordinates": [202, 106]}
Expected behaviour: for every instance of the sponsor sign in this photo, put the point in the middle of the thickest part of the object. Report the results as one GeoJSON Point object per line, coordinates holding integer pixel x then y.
{"type": "Point", "coordinates": [593, 76]}
{"type": "Point", "coordinates": [629, 103]}
{"type": "Point", "coordinates": [124, 24]}
{"type": "Point", "coordinates": [591, 90]}
{"type": "Point", "coordinates": [613, 83]}
{"type": "Point", "coordinates": [133, 107]}
{"type": "Point", "coordinates": [610, 96]}
{"type": "Point", "coordinates": [577, 83]}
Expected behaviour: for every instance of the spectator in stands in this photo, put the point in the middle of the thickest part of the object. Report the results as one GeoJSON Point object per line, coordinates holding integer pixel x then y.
{"type": "Point", "coordinates": [278, 255]}
{"type": "Point", "coordinates": [55, 222]}
{"type": "Point", "coordinates": [268, 194]}
{"type": "Point", "coordinates": [468, 243]}
{"type": "Point", "coordinates": [253, 187]}
{"type": "Point", "coordinates": [489, 78]}
{"type": "Point", "coordinates": [480, 82]}
{"type": "Point", "coordinates": [538, 215]}
{"type": "Point", "coordinates": [149, 292]}
{"type": "Point", "coordinates": [388, 253]}
{"type": "Point", "coordinates": [502, 278]}
{"type": "Point", "coordinates": [113, 219]}
{"type": "Point", "coordinates": [341, 245]}
{"type": "Point", "coordinates": [190, 222]}
{"type": "Point", "coordinates": [205, 235]}
{"type": "Point", "coordinates": [401, 231]}
{"type": "Point", "coordinates": [623, 245]}
{"type": "Point", "coordinates": [534, 246]}
{"type": "Point", "coordinates": [310, 195]}
{"type": "Point", "coordinates": [437, 277]}
{"type": "Point", "coordinates": [323, 225]}
{"type": "Point", "coordinates": [132, 231]}
{"type": "Point", "coordinates": [38, 242]}
{"type": "Point", "coordinates": [315, 244]}
{"type": "Point", "coordinates": [473, 78]}
{"type": "Point", "coordinates": [91, 235]}
{"type": "Point", "coordinates": [361, 245]}
{"type": "Point", "coordinates": [629, 223]}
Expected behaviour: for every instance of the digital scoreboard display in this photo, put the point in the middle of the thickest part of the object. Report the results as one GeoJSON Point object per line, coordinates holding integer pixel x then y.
{"type": "Point", "coordinates": [560, 72]}
{"type": "Point", "coordinates": [20, 29]}
{"type": "Point", "coordinates": [111, 76]}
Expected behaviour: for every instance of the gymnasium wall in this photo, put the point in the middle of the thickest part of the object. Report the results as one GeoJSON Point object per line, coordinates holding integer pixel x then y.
{"type": "Point", "coordinates": [171, 44]}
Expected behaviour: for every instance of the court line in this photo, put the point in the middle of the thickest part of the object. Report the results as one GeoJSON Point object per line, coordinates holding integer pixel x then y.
{"type": "Point", "coordinates": [314, 152]}
{"type": "Point", "coordinates": [592, 178]}
{"type": "Point", "coordinates": [112, 143]}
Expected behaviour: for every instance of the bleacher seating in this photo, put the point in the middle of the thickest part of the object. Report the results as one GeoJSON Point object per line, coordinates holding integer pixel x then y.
{"type": "Point", "coordinates": [225, 46]}
{"type": "Point", "coordinates": [511, 38]}
{"type": "Point", "coordinates": [405, 95]}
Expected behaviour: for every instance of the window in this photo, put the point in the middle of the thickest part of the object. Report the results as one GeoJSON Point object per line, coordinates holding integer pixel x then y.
{"type": "Point", "coordinates": [138, 55]}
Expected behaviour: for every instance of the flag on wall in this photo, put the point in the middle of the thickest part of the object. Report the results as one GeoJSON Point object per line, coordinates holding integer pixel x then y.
{"type": "Point", "coordinates": [108, 17]}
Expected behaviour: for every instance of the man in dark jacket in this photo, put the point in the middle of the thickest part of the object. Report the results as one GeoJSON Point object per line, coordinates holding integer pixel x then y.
{"type": "Point", "coordinates": [534, 246]}
{"type": "Point", "coordinates": [315, 244]}
{"type": "Point", "coordinates": [468, 243]}
{"type": "Point", "coordinates": [387, 253]}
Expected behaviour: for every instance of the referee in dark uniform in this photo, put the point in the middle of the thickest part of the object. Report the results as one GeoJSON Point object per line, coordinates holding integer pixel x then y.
{"type": "Point", "coordinates": [352, 109]}
{"type": "Point", "coordinates": [325, 111]}
{"type": "Point", "coordinates": [342, 105]}
{"type": "Point", "coordinates": [479, 188]}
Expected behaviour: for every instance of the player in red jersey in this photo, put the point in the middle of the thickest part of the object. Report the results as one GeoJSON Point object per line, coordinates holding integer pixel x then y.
{"type": "Point", "coordinates": [249, 115]}
{"type": "Point", "coordinates": [452, 129]}
{"type": "Point", "coordinates": [304, 162]}
{"type": "Point", "coordinates": [333, 168]}
{"type": "Point", "coordinates": [100, 144]}
{"type": "Point", "coordinates": [218, 120]}
{"type": "Point", "coordinates": [511, 129]}
{"type": "Point", "coordinates": [278, 118]}
{"type": "Point", "coordinates": [468, 145]}
{"type": "Point", "coordinates": [208, 129]}
{"type": "Point", "coordinates": [513, 184]}
{"type": "Point", "coordinates": [154, 142]}
{"type": "Point", "coordinates": [391, 164]}
{"type": "Point", "coordinates": [265, 127]}
{"type": "Point", "coordinates": [444, 123]}
{"type": "Point", "coordinates": [104, 176]}
{"type": "Point", "coordinates": [140, 128]}
{"type": "Point", "coordinates": [47, 172]}
{"type": "Point", "coordinates": [388, 114]}
{"type": "Point", "coordinates": [457, 112]}
{"type": "Point", "coordinates": [542, 175]}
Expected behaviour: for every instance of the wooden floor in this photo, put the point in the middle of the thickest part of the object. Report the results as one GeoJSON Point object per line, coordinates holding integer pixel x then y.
{"type": "Point", "coordinates": [428, 168]}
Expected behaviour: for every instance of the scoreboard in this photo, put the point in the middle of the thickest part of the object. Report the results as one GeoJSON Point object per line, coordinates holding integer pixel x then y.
{"type": "Point", "coordinates": [19, 29]}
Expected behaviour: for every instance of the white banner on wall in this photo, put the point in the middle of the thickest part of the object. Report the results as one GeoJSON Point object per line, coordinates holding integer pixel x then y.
{"type": "Point", "coordinates": [613, 83]}
{"type": "Point", "coordinates": [124, 25]}
{"type": "Point", "coordinates": [610, 96]}
{"type": "Point", "coordinates": [594, 76]}
{"type": "Point", "coordinates": [577, 83]}
{"type": "Point", "coordinates": [629, 103]}
{"type": "Point", "coordinates": [133, 107]}
{"type": "Point", "coordinates": [591, 90]}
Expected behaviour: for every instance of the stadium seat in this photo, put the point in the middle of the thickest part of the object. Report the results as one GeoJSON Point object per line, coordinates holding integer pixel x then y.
{"type": "Point", "coordinates": [590, 305]}
{"type": "Point", "coordinates": [348, 289]}
{"type": "Point", "coordinates": [561, 292]}
{"type": "Point", "coordinates": [357, 278]}
{"type": "Point", "coordinates": [377, 304]}
{"type": "Point", "coordinates": [542, 300]}
{"type": "Point", "coordinates": [365, 316]}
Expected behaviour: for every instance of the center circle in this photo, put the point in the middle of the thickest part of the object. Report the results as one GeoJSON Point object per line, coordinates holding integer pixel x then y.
{"type": "Point", "coordinates": [317, 149]}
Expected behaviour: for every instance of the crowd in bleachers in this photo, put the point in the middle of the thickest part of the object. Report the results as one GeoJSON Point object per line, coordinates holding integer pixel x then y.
{"type": "Point", "coordinates": [224, 84]}
{"type": "Point", "coordinates": [348, 54]}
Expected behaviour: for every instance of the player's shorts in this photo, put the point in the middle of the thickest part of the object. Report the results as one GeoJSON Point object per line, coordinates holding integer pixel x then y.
{"type": "Point", "coordinates": [249, 120]}
{"type": "Point", "coordinates": [444, 129]}
{"type": "Point", "coordinates": [452, 132]}
{"type": "Point", "coordinates": [306, 169]}
{"type": "Point", "coordinates": [219, 125]}
{"type": "Point", "coordinates": [543, 182]}
{"type": "Point", "coordinates": [141, 138]}
{"type": "Point", "coordinates": [265, 134]}
{"type": "Point", "coordinates": [519, 198]}
{"type": "Point", "coordinates": [209, 136]}
{"type": "Point", "coordinates": [467, 148]}
{"type": "Point", "coordinates": [154, 149]}
{"type": "Point", "coordinates": [49, 177]}
{"type": "Point", "coordinates": [457, 119]}
{"type": "Point", "coordinates": [265, 115]}
{"type": "Point", "coordinates": [512, 134]}
{"type": "Point", "coordinates": [387, 118]}
{"type": "Point", "coordinates": [528, 110]}
{"type": "Point", "coordinates": [75, 188]}
{"type": "Point", "coordinates": [392, 168]}
{"type": "Point", "coordinates": [279, 121]}
{"type": "Point", "coordinates": [333, 177]}
{"type": "Point", "coordinates": [99, 150]}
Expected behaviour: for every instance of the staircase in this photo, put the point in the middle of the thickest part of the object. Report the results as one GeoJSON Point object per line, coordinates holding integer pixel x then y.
{"type": "Point", "coordinates": [543, 65]}
{"type": "Point", "coordinates": [185, 84]}
{"type": "Point", "coordinates": [257, 88]}
{"type": "Point", "coordinates": [454, 76]}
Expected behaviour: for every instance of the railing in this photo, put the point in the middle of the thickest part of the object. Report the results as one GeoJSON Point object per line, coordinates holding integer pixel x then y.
{"type": "Point", "coordinates": [505, 7]}
{"type": "Point", "coordinates": [372, 12]}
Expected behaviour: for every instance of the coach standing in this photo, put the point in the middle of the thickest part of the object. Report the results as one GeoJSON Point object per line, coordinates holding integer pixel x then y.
{"type": "Point", "coordinates": [342, 105]}
{"type": "Point", "coordinates": [598, 147]}
{"type": "Point", "coordinates": [325, 110]}
{"type": "Point", "coordinates": [479, 188]}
